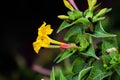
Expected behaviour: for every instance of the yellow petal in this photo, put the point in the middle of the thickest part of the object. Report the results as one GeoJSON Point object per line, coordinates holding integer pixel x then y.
{"type": "Point", "coordinates": [45, 29]}
{"type": "Point", "coordinates": [41, 41]}
{"type": "Point", "coordinates": [68, 5]}
{"type": "Point", "coordinates": [44, 41]}
{"type": "Point", "coordinates": [36, 46]}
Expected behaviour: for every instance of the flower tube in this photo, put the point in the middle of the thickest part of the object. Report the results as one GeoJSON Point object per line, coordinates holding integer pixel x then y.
{"type": "Point", "coordinates": [43, 40]}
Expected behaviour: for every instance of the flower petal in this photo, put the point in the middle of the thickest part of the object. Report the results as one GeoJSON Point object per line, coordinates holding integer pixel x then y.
{"type": "Point", "coordinates": [36, 46]}
{"type": "Point", "coordinates": [45, 29]}
{"type": "Point", "coordinates": [41, 41]}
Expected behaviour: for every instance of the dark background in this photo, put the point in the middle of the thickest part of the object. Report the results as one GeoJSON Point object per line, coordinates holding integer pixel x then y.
{"type": "Point", "coordinates": [20, 20]}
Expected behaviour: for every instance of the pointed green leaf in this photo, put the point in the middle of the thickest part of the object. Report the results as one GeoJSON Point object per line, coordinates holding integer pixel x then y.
{"type": "Point", "coordinates": [64, 25]}
{"type": "Point", "coordinates": [72, 31]}
{"type": "Point", "coordinates": [66, 54]}
{"type": "Point", "coordinates": [95, 19]}
{"type": "Point", "coordinates": [91, 52]}
{"type": "Point", "coordinates": [58, 57]}
{"type": "Point", "coordinates": [52, 75]}
{"type": "Point", "coordinates": [83, 72]}
{"type": "Point", "coordinates": [100, 33]}
{"type": "Point", "coordinates": [62, 77]}
{"type": "Point", "coordinates": [78, 21]}
{"type": "Point", "coordinates": [102, 75]}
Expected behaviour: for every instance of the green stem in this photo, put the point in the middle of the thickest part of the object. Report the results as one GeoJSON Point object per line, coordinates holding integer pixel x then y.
{"type": "Point", "coordinates": [91, 40]}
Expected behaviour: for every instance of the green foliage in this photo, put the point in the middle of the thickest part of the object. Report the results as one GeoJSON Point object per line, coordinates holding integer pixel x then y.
{"type": "Point", "coordinates": [78, 65]}
{"type": "Point", "coordinates": [100, 33]}
{"type": "Point", "coordinates": [93, 60]}
{"type": "Point", "coordinates": [52, 76]}
{"type": "Point", "coordinates": [83, 72]}
{"type": "Point", "coordinates": [98, 72]}
{"type": "Point", "coordinates": [65, 54]}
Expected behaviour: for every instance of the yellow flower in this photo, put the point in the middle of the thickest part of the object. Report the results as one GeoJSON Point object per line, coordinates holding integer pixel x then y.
{"type": "Point", "coordinates": [43, 40]}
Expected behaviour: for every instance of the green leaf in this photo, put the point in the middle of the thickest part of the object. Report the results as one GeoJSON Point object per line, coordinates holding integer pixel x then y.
{"type": "Point", "coordinates": [58, 57]}
{"type": "Point", "coordinates": [66, 54]}
{"type": "Point", "coordinates": [78, 65]}
{"type": "Point", "coordinates": [100, 33]}
{"type": "Point", "coordinates": [83, 72]}
{"type": "Point", "coordinates": [117, 69]}
{"type": "Point", "coordinates": [98, 72]}
{"type": "Point", "coordinates": [96, 19]}
{"type": "Point", "coordinates": [72, 31]}
{"type": "Point", "coordinates": [65, 24]}
{"type": "Point", "coordinates": [62, 77]}
{"type": "Point", "coordinates": [69, 77]}
{"type": "Point", "coordinates": [115, 76]}
{"type": "Point", "coordinates": [102, 75]}
{"type": "Point", "coordinates": [91, 52]}
{"type": "Point", "coordinates": [106, 60]}
{"type": "Point", "coordinates": [52, 75]}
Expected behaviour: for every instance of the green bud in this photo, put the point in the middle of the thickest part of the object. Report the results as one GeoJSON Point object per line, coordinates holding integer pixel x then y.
{"type": "Point", "coordinates": [101, 12]}
{"type": "Point", "coordinates": [105, 65]}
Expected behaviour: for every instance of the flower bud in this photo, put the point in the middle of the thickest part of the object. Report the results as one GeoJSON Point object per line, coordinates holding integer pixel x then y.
{"type": "Point", "coordinates": [62, 17]}
{"type": "Point", "coordinates": [91, 3]}
{"type": "Point", "coordinates": [68, 5]}
{"type": "Point", "coordinates": [101, 12]}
